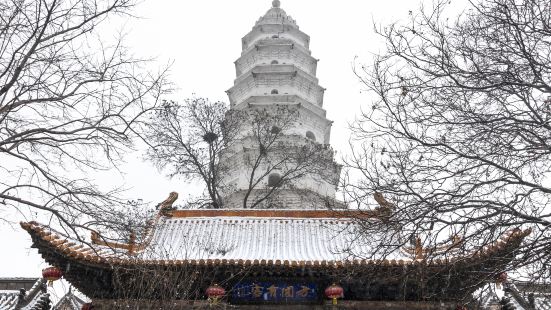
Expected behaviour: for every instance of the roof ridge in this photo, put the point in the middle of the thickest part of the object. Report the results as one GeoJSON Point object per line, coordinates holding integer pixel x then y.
{"type": "Point", "coordinates": [275, 213]}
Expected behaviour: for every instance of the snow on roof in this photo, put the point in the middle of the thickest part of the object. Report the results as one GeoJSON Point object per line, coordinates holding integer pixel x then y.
{"type": "Point", "coordinates": [518, 295]}
{"type": "Point", "coordinates": [258, 237]}
{"type": "Point", "coordinates": [72, 300]}
{"type": "Point", "coordinates": [34, 299]}
{"type": "Point", "coordinates": [8, 299]}
{"type": "Point", "coordinates": [254, 238]}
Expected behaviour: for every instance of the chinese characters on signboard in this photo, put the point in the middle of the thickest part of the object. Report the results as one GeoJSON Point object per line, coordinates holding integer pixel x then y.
{"type": "Point", "coordinates": [275, 292]}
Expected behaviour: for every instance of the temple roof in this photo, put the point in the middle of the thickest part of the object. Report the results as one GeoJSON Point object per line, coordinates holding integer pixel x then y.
{"type": "Point", "coordinates": [255, 237]}
{"type": "Point", "coordinates": [72, 301]}
{"type": "Point", "coordinates": [36, 298]}
{"type": "Point", "coordinates": [319, 244]}
{"type": "Point", "coordinates": [519, 295]}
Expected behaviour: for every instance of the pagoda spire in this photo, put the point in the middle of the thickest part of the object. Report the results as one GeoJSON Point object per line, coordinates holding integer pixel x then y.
{"type": "Point", "coordinates": [276, 3]}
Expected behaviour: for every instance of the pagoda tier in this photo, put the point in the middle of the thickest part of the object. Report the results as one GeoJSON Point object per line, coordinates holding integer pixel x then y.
{"type": "Point", "coordinates": [276, 70]}
{"type": "Point", "coordinates": [284, 51]}
{"type": "Point", "coordinates": [276, 79]}
{"type": "Point", "coordinates": [197, 248]}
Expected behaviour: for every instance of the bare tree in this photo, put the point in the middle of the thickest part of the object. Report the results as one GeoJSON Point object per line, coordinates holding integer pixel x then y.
{"type": "Point", "coordinates": [205, 140]}
{"type": "Point", "coordinates": [70, 103]}
{"type": "Point", "coordinates": [459, 133]}
{"type": "Point", "coordinates": [187, 139]}
{"type": "Point", "coordinates": [277, 159]}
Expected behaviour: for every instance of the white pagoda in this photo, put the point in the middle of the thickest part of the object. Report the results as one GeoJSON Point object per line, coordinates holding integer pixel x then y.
{"type": "Point", "coordinates": [276, 73]}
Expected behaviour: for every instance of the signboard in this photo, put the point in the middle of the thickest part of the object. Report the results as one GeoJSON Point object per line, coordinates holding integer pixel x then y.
{"type": "Point", "coordinates": [275, 292]}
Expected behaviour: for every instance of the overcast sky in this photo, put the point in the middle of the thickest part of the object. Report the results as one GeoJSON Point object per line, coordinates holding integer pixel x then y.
{"type": "Point", "coordinates": [202, 39]}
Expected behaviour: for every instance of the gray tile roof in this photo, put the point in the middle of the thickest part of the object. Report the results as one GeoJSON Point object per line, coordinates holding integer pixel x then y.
{"type": "Point", "coordinates": [35, 298]}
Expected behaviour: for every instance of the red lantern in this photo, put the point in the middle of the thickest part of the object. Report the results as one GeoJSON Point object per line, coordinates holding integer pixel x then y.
{"type": "Point", "coordinates": [333, 292]}
{"type": "Point", "coordinates": [215, 292]}
{"type": "Point", "coordinates": [51, 274]}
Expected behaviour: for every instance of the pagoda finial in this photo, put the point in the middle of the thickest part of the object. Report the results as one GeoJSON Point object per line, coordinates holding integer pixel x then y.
{"type": "Point", "coordinates": [276, 3]}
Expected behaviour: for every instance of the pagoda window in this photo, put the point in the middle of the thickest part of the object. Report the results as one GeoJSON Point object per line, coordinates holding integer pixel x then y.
{"type": "Point", "coordinates": [275, 62]}
{"type": "Point", "coordinates": [274, 180]}
{"type": "Point", "coordinates": [274, 92]}
{"type": "Point", "coordinates": [310, 135]}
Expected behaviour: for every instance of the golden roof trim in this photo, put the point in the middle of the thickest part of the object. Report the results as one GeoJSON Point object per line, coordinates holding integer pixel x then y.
{"type": "Point", "coordinates": [84, 253]}
{"type": "Point", "coordinates": [266, 213]}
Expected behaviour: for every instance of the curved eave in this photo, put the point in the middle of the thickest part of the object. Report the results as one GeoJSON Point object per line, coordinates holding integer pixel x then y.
{"type": "Point", "coordinates": [291, 100]}
{"type": "Point", "coordinates": [281, 69]}
{"type": "Point", "coordinates": [243, 63]}
{"type": "Point", "coordinates": [283, 43]}
{"type": "Point", "coordinates": [55, 244]}
{"type": "Point", "coordinates": [94, 275]}
{"type": "Point", "coordinates": [242, 89]}
{"type": "Point", "coordinates": [261, 32]}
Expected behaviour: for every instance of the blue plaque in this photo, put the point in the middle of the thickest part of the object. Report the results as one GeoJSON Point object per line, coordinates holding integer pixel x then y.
{"type": "Point", "coordinates": [274, 292]}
